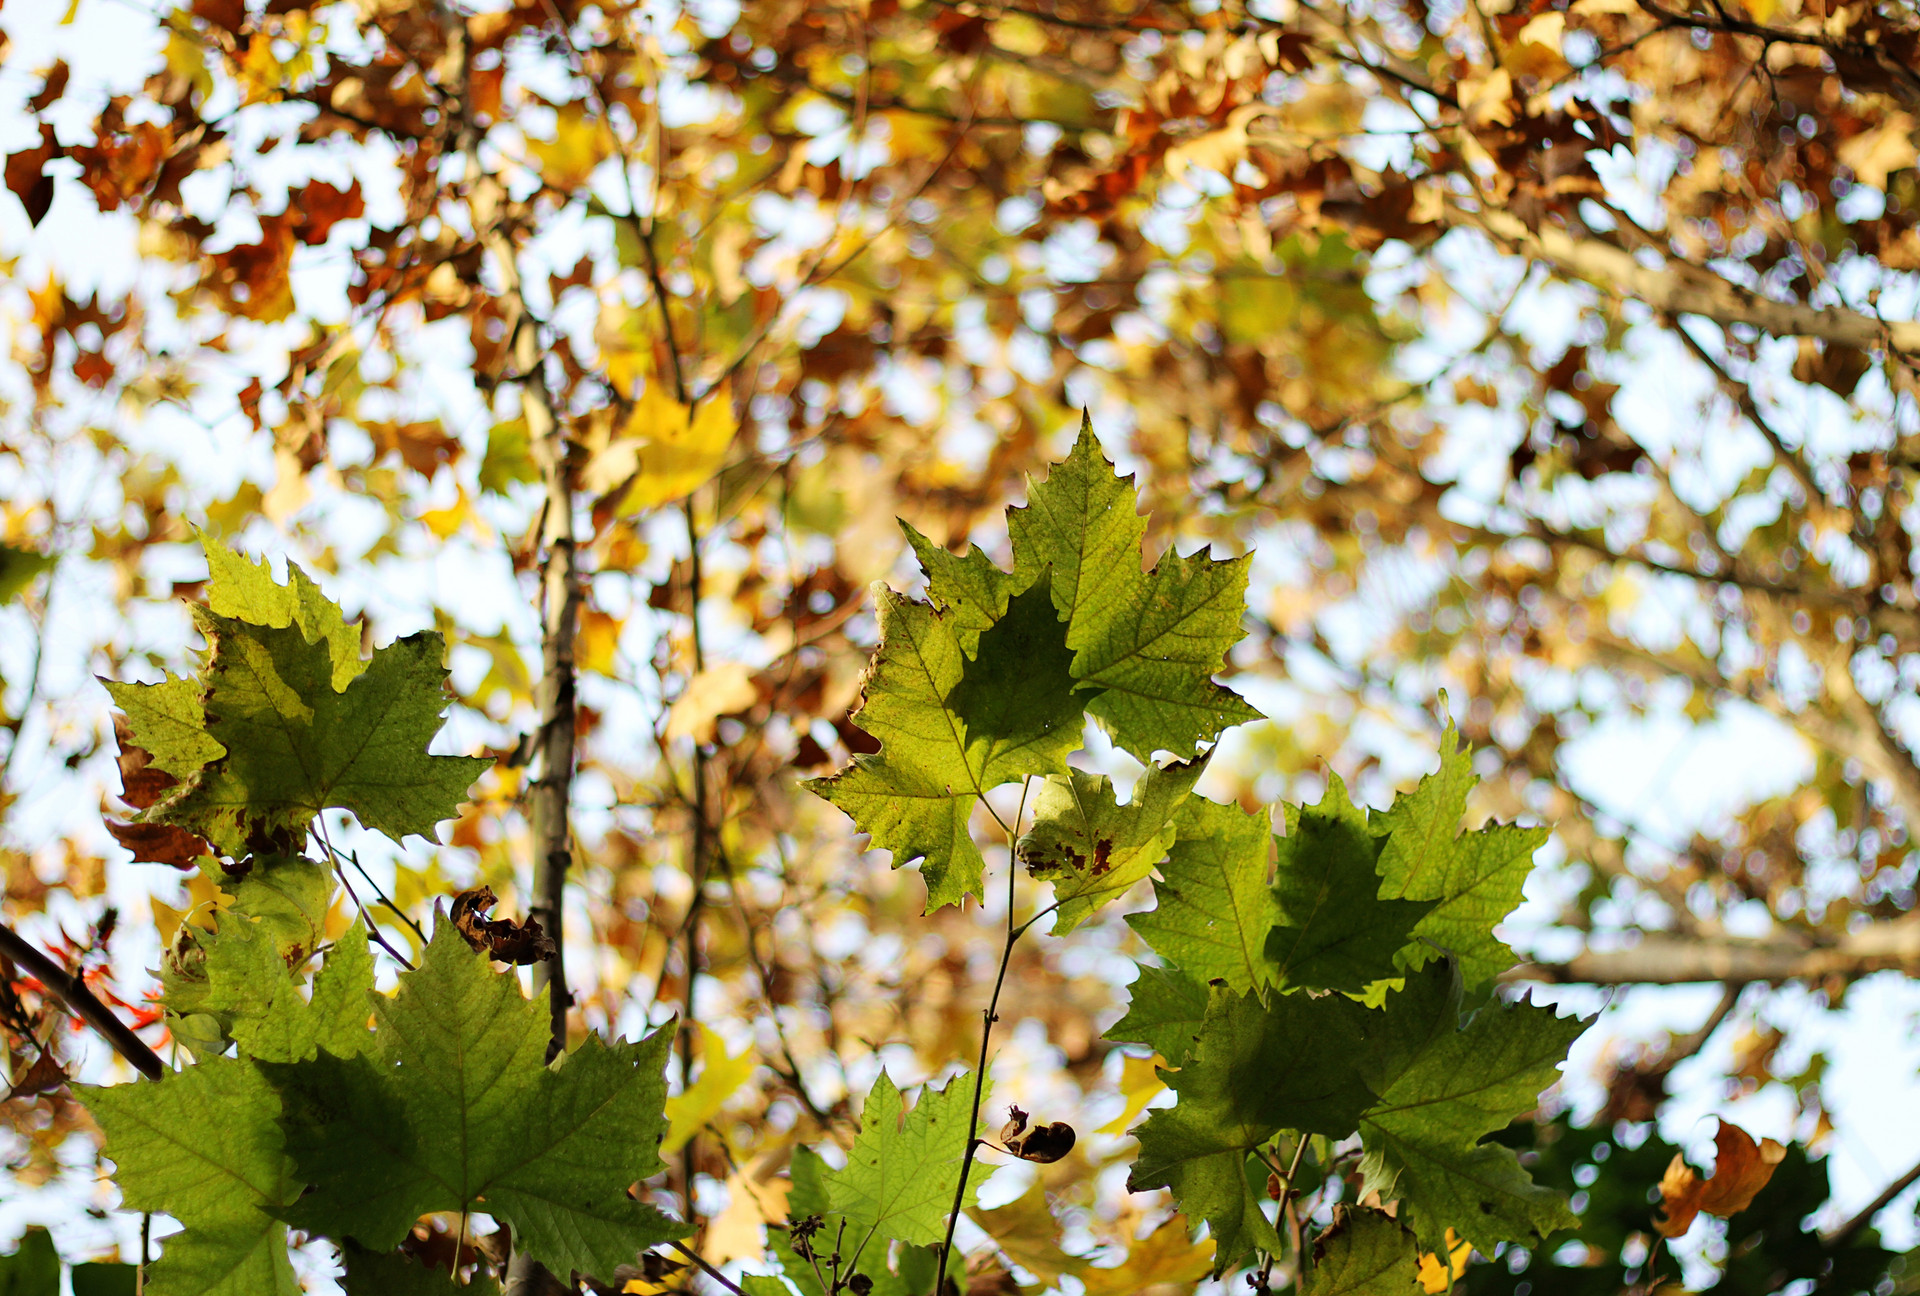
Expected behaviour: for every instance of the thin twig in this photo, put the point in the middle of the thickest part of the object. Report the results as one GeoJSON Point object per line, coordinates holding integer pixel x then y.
{"type": "Point", "coordinates": [1845, 1232]}
{"type": "Point", "coordinates": [702, 845]}
{"type": "Point", "coordinates": [33, 675]}
{"type": "Point", "coordinates": [708, 1269]}
{"type": "Point", "coordinates": [326, 840]}
{"type": "Point", "coordinates": [986, 1038]}
{"type": "Point", "coordinates": [373, 928]}
{"type": "Point", "coordinates": [81, 1002]}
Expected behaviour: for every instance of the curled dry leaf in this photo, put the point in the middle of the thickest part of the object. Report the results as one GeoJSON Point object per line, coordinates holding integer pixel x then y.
{"type": "Point", "coordinates": [1042, 1143]}
{"type": "Point", "coordinates": [504, 939]}
{"type": "Point", "coordinates": [1741, 1169]}
{"type": "Point", "coordinates": [142, 783]}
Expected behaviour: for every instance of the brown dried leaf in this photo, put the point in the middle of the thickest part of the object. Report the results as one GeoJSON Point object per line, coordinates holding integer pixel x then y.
{"type": "Point", "coordinates": [160, 844]}
{"type": "Point", "coordinates": [25, 175]}
{"type": "Point", "coordinates": [519, 943]}
{"type": "Point", "coordinates": [43, 1077]}
{"type": "Point", "coordinates": [1741, 1169]}
{"type": "Point", "coordinates": [1043, 1144]}
{"type": "Point", "coordinates": [321, 207]}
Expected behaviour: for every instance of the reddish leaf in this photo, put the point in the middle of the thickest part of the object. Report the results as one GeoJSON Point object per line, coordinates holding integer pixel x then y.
{"type": "Point", "coordinates": [423, 447]}
{"type": "Point", "coordinates": [52, 88]}
{"type": "Point", "coordinates": [160, 844]}
{"type": "Point", "coordinates": [140, 783]}
{"type": "Point", "coordinates": [26, 175]}
{"type": "Point", "coordinates": [321, 207]}
{"type": "Point", "coordinates": [229, 15]}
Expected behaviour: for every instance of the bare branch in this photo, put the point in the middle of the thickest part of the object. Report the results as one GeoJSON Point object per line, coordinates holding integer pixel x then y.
{"type": "Point", "coordinates": [1682, 288]}
{"type": "Point", "coordinates": [81, 1002]}
{"type": "Point", "coordinates": [1844, 1234]}
{"type": "Point", "coordinates": [1661, 958]}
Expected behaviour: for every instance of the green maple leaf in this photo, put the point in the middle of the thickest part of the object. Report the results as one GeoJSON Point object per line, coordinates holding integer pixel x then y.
{"type": "Point", "coordinates": [290, 897]}
{"type": "Point", "coordinates": [1475, 879]}
{"type": "Point", "coordinates": [901, 1175]}
{"type": "Point", "coordinates": [295, 746]}
{"type": "Point", "coordinates": [226, 982]}
{"type": "Point", "coordinates": [1213, 906]}
{"type": "Point", "coordinates": [1090, 847]}
{"type": "Point", "coordinates": [1254, 1070]}
{"type": "Point", "coordinates": [229, 974]}
{"type": "Point", "coordinates": [244, 589]}
{"type": "Point", "coordinates": [989, 681]}
{"type": "Point", "coordinates": [451, 1108]}
{"type": "Point", "coordinates": [294, 1029]}
{"type": "Point", "coordinates": [1442, 1089]}
{"type": "Point", "coordinates": [1167, 1009]}
{"type": "Point", "coordinates": [33, 1266]}
{"type": "Point", "coordinates": [969, 586]}
{"type": "Point", "coordinates": [168, 720]}
{"type": "Point", "coordinates": [1150, 642]}
{"type": "Point", "coordinates": [915, 795]}
{"type": "Point", "coordinates": [389, 1273]}
{"type": "Point", "coordinates": [1015, 694]}
{"type": "Point", "coordinates": [1364, 1253]}
{"type": "Point", "coordinates": [1332, 931]}
{"type": "Point", "coordinates": [204, 1146]}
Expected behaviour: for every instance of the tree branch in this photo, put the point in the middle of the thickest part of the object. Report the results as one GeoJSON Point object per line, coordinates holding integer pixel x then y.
{"type": "Point", "coordinates": [81, 1002]}
{"type": "Point", "coordinates": [1661, 958]}
{"type": "Point", "coordinates": [1844, 1234]}
{"type": "Point", "coordinates": [1682, 288]}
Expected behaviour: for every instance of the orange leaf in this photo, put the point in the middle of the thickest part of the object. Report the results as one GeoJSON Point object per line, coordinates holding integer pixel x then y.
{"type": "Point", "coordinates": [1741, 1169]}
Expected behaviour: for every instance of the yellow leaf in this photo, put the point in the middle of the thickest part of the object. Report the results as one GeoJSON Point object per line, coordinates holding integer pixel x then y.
{"type": "Point", "coordinates": [674, 451]}
{"type": "Point", "coordinates": [508, 672]}
{"type": "Point", "coordinates": [166, 919]}
{"type": "Point", "coordinates": [1217, 150]}
{"type": "Point", "coordinates": [756, 1196]}
{"type": "Point", "coordinates": [448, 521]}
{"type": "Point", "coordinates": [1029, 1235]}
{"type": "Point", "coordinates": [1888, 147]}
{"type": "Point", "coordinates": [1486, 100]}
{"type": "Point", "coordinates": [73, 11]}
{"type": "Point", "coordinates": [717, 691]}
{"type": "Point", "coordinates": [1166, 1256]}
{"type": "Point", "coordinates": [579, 144]}
{"type": "Point", "coordinates": [626, 346]}
{"type": "Point", "coordinates": [1435, 1277]}
{"type": "Point", "coordinates": [203, 897]}
{"type": "Point", "coordinates": [1139, 1083]}
{"type": "Point", "coordinates": [599, 647]}
{"type": "Point", "coordinates": [720, 1078]}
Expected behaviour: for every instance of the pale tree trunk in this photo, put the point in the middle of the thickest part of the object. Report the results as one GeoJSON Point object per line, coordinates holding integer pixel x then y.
{"type": "Point", "coordinates": [552, 751]}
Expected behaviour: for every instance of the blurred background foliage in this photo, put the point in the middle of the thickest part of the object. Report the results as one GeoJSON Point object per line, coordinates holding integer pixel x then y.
{"type": "Point", "coordinates": [1557, 355]}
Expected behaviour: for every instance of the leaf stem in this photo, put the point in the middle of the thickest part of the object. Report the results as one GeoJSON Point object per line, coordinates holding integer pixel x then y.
{"type": "Point", "coordinates": [81, 1002]}
{"type": "Point", "coordinates": [1289, 1197]}
{"type": "Point", "coordinates": [354, 859]}
{"type": "Point", "coordinates": [373, 928]}
{"type": "Point", "coordinates": [1014, 932]}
